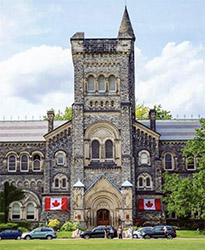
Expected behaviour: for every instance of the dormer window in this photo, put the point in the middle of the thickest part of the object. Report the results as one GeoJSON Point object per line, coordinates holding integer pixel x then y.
{"type": "Point", "coordinates": [101, 84]}
{"type": "Point", "coordinates": [91, 84]}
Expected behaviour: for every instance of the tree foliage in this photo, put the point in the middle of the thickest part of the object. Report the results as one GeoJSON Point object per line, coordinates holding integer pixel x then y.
{"type": "Point", "coordinates": [187, 195]}
{"type": "Point", "coordinates": [142, 112]}
{"type": "Point", "coordinates": [9, 194]}
{"type": "Point", "coordinates": [66, 115]}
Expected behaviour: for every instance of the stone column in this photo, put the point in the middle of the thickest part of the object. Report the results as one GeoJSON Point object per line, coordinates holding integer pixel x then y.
{"type": "Point", "coordinates": [127, 203]}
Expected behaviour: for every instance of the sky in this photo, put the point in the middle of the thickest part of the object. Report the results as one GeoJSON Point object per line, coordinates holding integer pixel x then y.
{"type": "Point", "coordinates": [36, 70]}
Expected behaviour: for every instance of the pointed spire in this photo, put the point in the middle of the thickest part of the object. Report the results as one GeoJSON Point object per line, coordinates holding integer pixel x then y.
{"type": "Point", "coordinates": [126, 30]}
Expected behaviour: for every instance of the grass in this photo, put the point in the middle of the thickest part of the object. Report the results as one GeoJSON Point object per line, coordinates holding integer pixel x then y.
{"type": "Point", "coordinates": [190, 234]}
{"type": "Point", "coordinates": [102, 244]}
{"type": "Point", "coordinates": [180, 234]}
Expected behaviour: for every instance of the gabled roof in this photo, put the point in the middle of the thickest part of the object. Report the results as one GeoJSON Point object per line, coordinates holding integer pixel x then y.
{"type": "Point", "coordinates": [174, 130]}
{"type": "Point", "coordinates": [97, 180]}
{"type": "Point", "coordinates": [126, 30]}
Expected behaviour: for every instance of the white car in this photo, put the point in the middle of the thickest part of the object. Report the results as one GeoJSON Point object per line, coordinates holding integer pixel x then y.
{"type": "Point", "coordinates": [138, 234]}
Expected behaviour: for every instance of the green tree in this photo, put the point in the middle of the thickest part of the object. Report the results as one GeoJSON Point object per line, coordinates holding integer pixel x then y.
{"type": "Point", "coordinates": [142, 112]}
{"type": "Point", "coordinates": [187, 195]}
{"type": "Point", "coordinates": [9, 194]}
{"type": "Point", "coordinates": [66, 115]}
{"type": "Point", "coordinates": [162, 114]}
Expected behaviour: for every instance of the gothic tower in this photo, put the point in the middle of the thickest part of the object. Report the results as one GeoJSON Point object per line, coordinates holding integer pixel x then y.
{"type": "Point", "coordinates": [103, 114]}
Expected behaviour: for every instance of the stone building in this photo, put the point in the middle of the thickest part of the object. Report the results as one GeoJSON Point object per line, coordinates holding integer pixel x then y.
{"type": "Point", "coordinates": [104, 166]}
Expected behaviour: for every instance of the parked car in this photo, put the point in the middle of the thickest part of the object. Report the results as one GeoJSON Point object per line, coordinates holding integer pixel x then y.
{"type": "Point", "coordinates": [98, 232]}
{"type": "Point", "coordinates": [11, 234]}
{"type": "Point", "coordinates": [40, 233]}
{"type": "Point", "coordinates": [158, 232]}
{"type": "Point", "coordinates": [138, 234]}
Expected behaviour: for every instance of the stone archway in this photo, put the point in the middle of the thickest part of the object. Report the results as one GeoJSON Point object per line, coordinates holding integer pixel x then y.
{"type": "Point", "coordinates": [105, 197]}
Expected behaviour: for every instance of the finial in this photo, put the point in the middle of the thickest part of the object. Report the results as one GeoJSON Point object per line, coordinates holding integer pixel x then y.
{"type": "Point", "coordinates": [125, 3]}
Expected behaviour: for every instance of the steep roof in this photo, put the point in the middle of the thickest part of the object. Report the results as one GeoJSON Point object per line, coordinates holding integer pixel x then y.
{"type": "Point", "coordinates": [126, 30]}
{"type": "Point", "coordinates": [174, 129]}
{"type": "Point", "coordinates": [25, 131]}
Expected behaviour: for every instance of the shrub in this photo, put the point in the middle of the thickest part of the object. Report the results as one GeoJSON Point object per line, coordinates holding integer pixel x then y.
{"type": "Point", "coordinates": [77, 226]}
{"type": "Point", "coordinates": [25, 224]}
{"type": "Point", "coordinates": [23, 229]}
{"type": "Point", "coordinates": [68, 226]}
{"type": "Point", "coordinates": [54, 224]}
{"type": "Point", "coordinates": [9, 225]}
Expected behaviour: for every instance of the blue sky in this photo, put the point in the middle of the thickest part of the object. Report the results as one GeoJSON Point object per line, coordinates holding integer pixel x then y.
{"type": "Point", "coordinates": [36, 67]}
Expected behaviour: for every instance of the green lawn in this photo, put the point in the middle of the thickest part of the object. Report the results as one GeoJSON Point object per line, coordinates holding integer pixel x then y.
{"type": "Point", "coordinates": [102, 244]}
{"type": "Point", "coordinates": [180, 234]}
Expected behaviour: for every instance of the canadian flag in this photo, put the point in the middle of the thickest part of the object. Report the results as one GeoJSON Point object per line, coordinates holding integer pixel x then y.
{"type": "Point", "coordinates": [149, 204]}
{"type": "Point", "coordinates": [56, 203]}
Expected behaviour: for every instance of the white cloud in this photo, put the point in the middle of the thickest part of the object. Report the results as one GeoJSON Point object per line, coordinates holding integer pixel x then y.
{"type": "Point", "coordinates": [175, 79]}
{"type": "Point", "coordinates": [35, 80]}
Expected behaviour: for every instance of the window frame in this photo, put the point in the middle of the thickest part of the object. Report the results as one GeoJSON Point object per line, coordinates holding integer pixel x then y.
{"type": "Point", "coordinates": [15, 170]}
{"type": "Point", "coordinates": [172, 161]}
{"type": "Point", "coordinates": [94, 89]}
{"type": "Point", "coordinates": [27, 163]}
{"type": "Point", "coordinates": [30, 219]}
{"type": "Point", "coordinates": [112, 91]}
{"type": "Point", "coordinates": [106, 158]}
{"type": "Point", "coordinates": [142, 152]}
{"type": "Point", "coordinates": [12, 212]}
{"type": "Point", "coordinates": [100, 90]}
{"type": "Point", "coordinates": [194, 163]}
{"type": "Point", "coordinates": [95, 159]}
{"type": "Point", "coordinates": [33, 161]}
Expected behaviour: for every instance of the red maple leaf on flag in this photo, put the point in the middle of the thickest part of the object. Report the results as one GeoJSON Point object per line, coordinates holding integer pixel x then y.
{"type": "Point", "coordinates": [149, 204]}
{"type": "Point", "coordinates": [55, 203]}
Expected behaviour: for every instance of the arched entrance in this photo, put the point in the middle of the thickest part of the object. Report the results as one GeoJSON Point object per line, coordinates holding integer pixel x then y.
{"type": "Point", "coordinates": [103, 217]}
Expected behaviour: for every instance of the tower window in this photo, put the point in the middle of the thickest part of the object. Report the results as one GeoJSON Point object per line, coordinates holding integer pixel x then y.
{"type": "Point", "coordinates": [56, 182]}
{"type": "Point", "coordinates": [91, 84]}
{"type": "Point", "coordinates": [15, 211]}
{"type": "Point", "coordinates": [148, 182]}
{"type": "Point", "coordinates": [60, 159]}
{"type": "Point", "coordinates": [64, 182]}
{"type": "Point", "coordinates": [112, 84]}
{"type": "Point", "coordinates": [109, 149]}
{"type": "Point", "coordinates": [101, 84]}
{"type": "Point", "coordinates": [95, 150]}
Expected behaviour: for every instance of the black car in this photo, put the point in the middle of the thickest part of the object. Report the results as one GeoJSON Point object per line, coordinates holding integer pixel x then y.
{"type": "Point", "coordinates": [158, 232]}
{"type": "Point", "coordinates": [99, 232]}
{"type": "Point", "coordinates": [11, 234]}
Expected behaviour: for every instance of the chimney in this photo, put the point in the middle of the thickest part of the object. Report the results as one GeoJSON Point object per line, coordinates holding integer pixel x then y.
{"type": "Point", "coordinates": [50, 116]}
{"type": "Point", "coordinates": [152, 117]}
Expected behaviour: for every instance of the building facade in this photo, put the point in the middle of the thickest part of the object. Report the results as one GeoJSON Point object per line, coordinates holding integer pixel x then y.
{"type": "Point", "coordinates": [103, 166]}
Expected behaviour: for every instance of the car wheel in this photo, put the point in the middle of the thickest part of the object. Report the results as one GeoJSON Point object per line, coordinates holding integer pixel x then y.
{"type": "Point", "coordinates": [86, 237]}
{"type": "Point", "coordinates": [135, 236]}
{"type": "Point", "coordinates": [28, 237]}
{"type": "Point", "coordinates": [49, 237]}
{"type": "Point", "coordinates": [147, 236]}
{"type": "Point", "coordinates": [18, 237]}
{"type": "Point", "coordinates": [169, 237]}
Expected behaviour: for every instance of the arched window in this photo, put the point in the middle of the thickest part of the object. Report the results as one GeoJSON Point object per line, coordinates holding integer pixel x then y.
{"type": "Point", "coordinates": [108, 149]}
{"type": "Point", "coordinates": [12, 163]}
{"type": "Point", "coordinates": [91, 84]}
{"type": "Point", "coordinates": [36, 162]}
{"type": "Point", "coordinates": [112, 84]}
{"type": "Point", "coordinates": [168, 161]}
{"type": "Point", "coordinates": [144, 158]}
{"type": "Point", "coordinates": [24, 163]}
{"type": "Point", "coordinates": [60, 159]}
{"type": "Point", "coordinates": [190, 163]}
{"type": "Point", "coordinates": [148, 182]}
{"type": "Point", "coordinates": [101, 84]}
{"type": "Point", "coordinates": [64, 182]}
{"type": "Point", "coordinates": [95, 150]}
{"type": "Point", "coordinates": [16, 211]}
{"type": "Point", "coordinates": [56, 182]}
{"type": "Point", "coordinates": [141, 180]}
{"type": "Point", "coordinates": [30, 211]}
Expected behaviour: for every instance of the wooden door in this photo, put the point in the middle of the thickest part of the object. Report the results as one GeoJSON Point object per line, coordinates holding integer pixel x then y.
{"type": "Point", "coordinates": [103, 217]}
